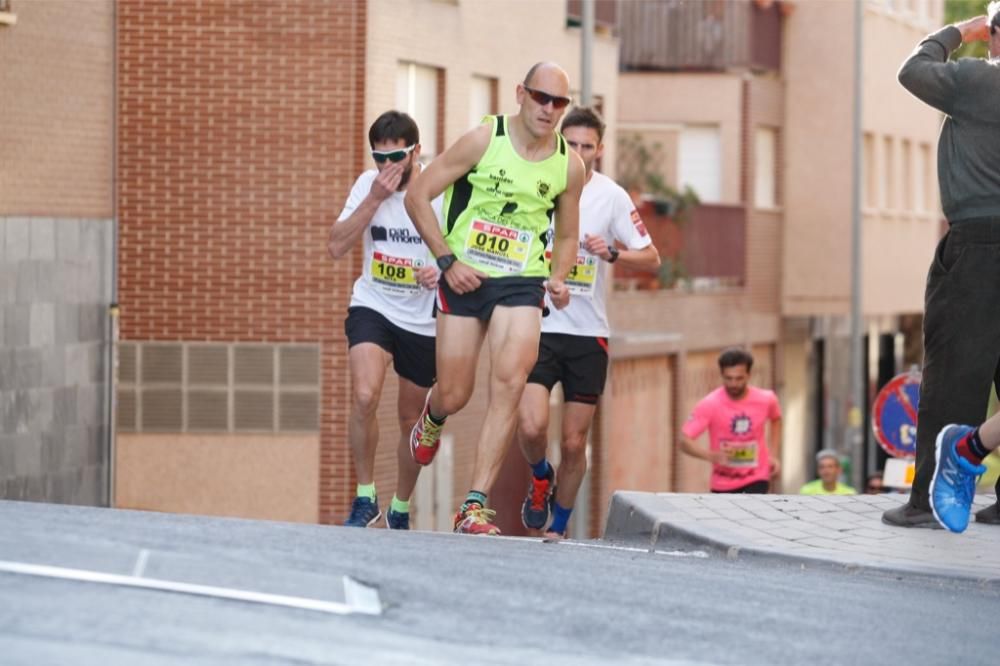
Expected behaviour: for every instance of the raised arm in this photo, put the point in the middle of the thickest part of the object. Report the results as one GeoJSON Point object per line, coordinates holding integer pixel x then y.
{"type": "Point", "coordinates": [928, 74]}
{"type": "Point", "coordinates": [360, 209]}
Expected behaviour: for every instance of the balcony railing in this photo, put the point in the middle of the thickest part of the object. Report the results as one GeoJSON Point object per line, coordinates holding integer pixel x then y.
{"type": "Point", "coordinates": [700, 35]}
{"type": "Point", "coordinates": [605, 13]}
{"type": "Point", "coordinates": [706, 250]}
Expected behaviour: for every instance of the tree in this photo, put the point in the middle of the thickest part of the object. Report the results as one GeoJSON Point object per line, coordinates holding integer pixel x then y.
{"type": "Point", "coordinates": [959, 10]}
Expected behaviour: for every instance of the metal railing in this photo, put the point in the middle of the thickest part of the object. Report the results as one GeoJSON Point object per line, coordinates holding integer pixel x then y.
{"type": "Point", "coordinates": [706, 35]}
{"type": "Point", "coordinates": [704, 250]}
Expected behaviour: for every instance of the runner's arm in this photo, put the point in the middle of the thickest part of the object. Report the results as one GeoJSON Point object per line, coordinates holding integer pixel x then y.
{"type": "Point", "coordinates": [567, 227]}
{"type": "Point", "coordinates": [344, 233]}
{"type": "Point", "coordinates": [774, 446]}
{"type": "Point", "coordinates": [645, 259]}
{"type": "Point", "coordinates": [448, 167]}
{"type": "Point", "coordinates": [690, 447]}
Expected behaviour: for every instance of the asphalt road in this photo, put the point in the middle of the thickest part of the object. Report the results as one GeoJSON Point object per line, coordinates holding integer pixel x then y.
{"type": "Point", "coordinates": [454, 599]}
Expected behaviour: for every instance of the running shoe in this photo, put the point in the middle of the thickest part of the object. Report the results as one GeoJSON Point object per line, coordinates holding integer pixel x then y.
{"type": "Point", "coordinates": [425, 436]}
{"type": "Point", "coordinates": [397, 520]}
{"type": "Point", "coordinates": [364, 513]}
{"type": "Point", "coordinates": [537, 506]}
{"type": "Point", "coordinates": [476, 520]}
{"type": "Point", "coordinates": [954, 482]}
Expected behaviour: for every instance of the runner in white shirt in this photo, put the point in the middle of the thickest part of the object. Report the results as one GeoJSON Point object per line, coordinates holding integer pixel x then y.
{"type": "Point", "coordinates": [391, 315]}
{"type": "Point", "coordinates": [574, 345]}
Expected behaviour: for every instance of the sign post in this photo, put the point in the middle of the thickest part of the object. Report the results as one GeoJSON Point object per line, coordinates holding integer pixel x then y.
{"type": "Point", "coordinates": [894, 422]}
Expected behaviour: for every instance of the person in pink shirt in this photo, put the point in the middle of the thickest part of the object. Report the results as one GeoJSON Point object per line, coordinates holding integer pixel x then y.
{"type": "Point", "coordinates": [736, 415]}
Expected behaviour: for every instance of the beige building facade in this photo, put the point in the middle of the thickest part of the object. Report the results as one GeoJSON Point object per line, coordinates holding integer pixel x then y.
{"type": "Point", "coordinates": [771, 137]}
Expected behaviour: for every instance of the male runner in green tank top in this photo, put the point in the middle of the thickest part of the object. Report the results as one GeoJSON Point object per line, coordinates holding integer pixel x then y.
{"type": "Point", "coordinates": [503, 181]}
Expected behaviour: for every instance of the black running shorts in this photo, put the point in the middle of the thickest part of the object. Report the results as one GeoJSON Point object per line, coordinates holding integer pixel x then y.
{"type": "Point", "coordinates": [506, 291]}
{"type": "Point", "coordinates": [580, 362]}
{"type": "Point", "coordinates": [412, 354]}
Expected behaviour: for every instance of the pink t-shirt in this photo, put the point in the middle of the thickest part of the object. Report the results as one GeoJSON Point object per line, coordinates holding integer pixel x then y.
{"type": "Point", "coordinates": [736, 427]}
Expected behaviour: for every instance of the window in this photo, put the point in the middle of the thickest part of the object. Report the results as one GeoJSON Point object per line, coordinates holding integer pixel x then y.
{"type": "Point", "coordinates": [888, 174]}
{"type": "Point", "coordinates": [699, 162]}
{"type": "Point", "coordinates": [868, 173]}
{"type": "Point", "coordinates": [482, 99]}
{"type": "Point", "coordinates": [417, 95]}
{"type": "Point", "coordinates": [766, 168]}
{"type": "Point", "coordinates": [922, 179]}
{"type": "Point", "coordinates": [906, 168]}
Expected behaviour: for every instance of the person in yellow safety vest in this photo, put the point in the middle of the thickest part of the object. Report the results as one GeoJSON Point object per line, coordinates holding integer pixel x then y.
{"type": "Point", "coordinates": [828, 469]}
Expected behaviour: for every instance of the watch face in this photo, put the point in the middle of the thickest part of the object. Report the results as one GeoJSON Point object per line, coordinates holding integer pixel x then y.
{"type": "Point", "coordinates": [444, 262]}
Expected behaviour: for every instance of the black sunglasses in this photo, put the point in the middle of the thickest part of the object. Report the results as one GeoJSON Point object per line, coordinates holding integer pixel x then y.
{"type": "Point", "coordinates": [543, 98]}
{"type": "Point", "coordinates": [380, 156]}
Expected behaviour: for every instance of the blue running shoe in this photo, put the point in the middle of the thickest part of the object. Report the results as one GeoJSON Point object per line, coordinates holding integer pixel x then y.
{"type": "Point", "coordinates": [954, 482]}
{"type": "Point", "coordinates": [537, 504]}
{"type": "Point", "coordinates": [397, 520]}
{"type": "Point", "coordinates": [364, 512]}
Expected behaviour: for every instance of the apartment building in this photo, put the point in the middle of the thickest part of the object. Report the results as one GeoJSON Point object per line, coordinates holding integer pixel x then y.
{"type": "Point", "coordinates": [751, 102]}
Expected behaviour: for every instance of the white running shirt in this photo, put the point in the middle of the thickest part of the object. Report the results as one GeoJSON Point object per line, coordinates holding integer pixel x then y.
{"type": "Point", "coordinates": [392, 249]}
{"type": "Point", "coordinates": [605, 210]}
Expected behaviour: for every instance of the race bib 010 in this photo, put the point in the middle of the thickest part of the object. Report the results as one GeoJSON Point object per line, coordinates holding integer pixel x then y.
{"type": "Point", "coordinates": [499, 247]}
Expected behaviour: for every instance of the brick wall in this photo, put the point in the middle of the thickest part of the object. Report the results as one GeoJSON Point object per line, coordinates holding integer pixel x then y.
{"type": "Point", "coordinates": [240, 133]}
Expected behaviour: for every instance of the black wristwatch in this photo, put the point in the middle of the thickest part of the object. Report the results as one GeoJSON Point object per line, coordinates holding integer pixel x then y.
{"type": "Point", "coordinates": [445, 261]}
{"type": "Point", "coordinates": [613, 251]}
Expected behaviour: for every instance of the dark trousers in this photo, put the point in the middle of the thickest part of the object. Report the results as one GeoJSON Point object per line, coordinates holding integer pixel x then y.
{"type": "Point", "coordinates": [961, 338]}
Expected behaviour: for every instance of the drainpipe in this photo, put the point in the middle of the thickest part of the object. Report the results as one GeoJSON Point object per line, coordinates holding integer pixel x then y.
{"type": "Point", "coordinates": [857, 387]}
{"type": "Point", "coordinates": [111, 331]}
{"type": "Point", "coordinates": [587, 53]}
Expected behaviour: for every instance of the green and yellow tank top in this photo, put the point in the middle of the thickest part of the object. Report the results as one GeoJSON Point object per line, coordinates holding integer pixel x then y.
{"type": "Point", "coordinates": [498, 215]}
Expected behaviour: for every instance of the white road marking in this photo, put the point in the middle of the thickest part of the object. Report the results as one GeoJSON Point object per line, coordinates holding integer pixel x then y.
{"type": "Point", "coordinates": [140, 563]}
{"type": "Point", "coordinates": [632, 549]}
{"type": "Point", "coordinates": [361, 599]}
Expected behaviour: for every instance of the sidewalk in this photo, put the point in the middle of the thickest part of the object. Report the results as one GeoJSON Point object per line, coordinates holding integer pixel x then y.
{"type": "Point", "coordinates": [844, 531]}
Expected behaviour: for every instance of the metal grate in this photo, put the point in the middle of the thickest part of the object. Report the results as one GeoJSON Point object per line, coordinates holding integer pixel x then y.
{"type": "Point", "coordinates": [126, 409]}
{"type": "Point", "coordinates": [207, 365]}
{"type": "Point", "coordinates": [161, 363]}
{"type": "Point", "coordinates": [298, 411]}
{"type": "Point", "coordinates": [253, 410]}
{"type": "Point", "coordinates": [126, 363]}
{"type": "Point", "coordinates": [206, 387]}
{"type": "Point", "coordinates": [208, 410]}
{"type": "Point", "coordinates": [253, 365]}
{"type": "Point", "coordinates": [163, 410]}
{"type": "Point", "coordinates": [299, 366]}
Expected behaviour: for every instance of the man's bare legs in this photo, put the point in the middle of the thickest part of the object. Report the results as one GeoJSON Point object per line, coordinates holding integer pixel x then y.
{"type": "Point", "coordinates": [577, 418]}
{"type": "Point", "coordinates": [409, 405]}
{"type": "Point", "coordinates": [368, 364]}
{"type": "Point", "coordinates": [513, 343]}
{"type": "Point", "coordinates": [533, 438]}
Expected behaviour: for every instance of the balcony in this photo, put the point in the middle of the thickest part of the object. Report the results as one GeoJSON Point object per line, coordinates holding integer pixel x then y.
{"type": "Point", "coordinates": [605, 14]}
{"type": "Point", "coordinates": [685, 35]}
{"type": "Point", "coordinates": [706, 251]}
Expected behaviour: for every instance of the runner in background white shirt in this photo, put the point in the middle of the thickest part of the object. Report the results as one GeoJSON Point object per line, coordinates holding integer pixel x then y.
{"type": "Point", "coordinates": [574, 345]}
{"type": "Point", "coordinates": [390, 317]}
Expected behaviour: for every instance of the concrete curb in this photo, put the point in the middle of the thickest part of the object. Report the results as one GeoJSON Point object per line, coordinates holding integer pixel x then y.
{"type": "Point", "coordinates": [644, 520]}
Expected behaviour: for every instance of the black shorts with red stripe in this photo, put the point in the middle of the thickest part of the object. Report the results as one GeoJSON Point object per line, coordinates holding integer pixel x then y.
{"type": "Point", "coordinates": [505, 291]}
{"type": "Point", "coordinates": [579, 362]}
